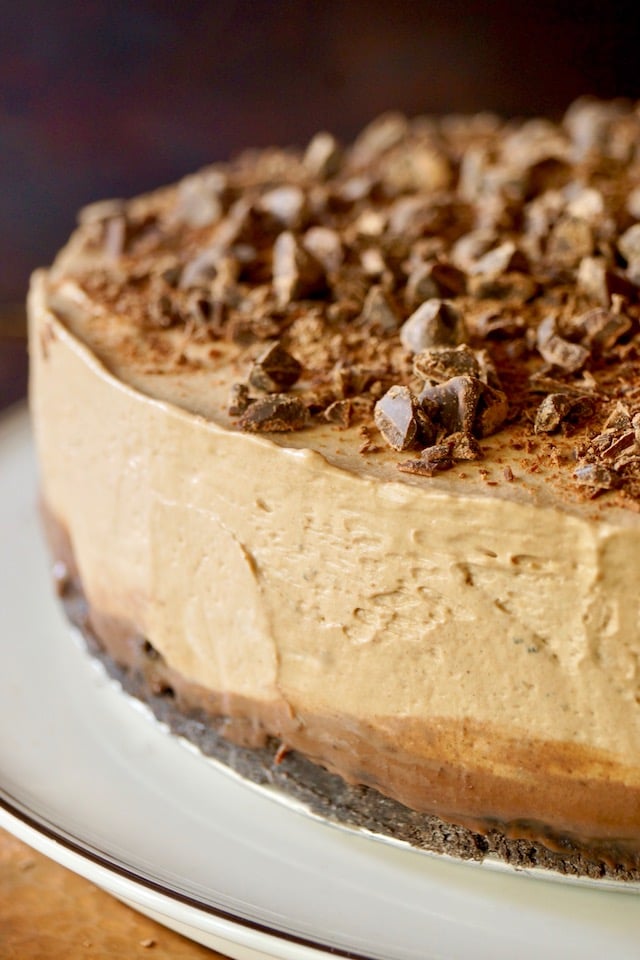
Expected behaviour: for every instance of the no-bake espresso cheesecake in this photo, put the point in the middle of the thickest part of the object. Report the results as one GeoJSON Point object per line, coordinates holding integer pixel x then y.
{"type": "Point", "coordinates": [340, 465]}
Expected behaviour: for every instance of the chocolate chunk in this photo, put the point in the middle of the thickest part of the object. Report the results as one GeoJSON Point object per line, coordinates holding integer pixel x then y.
{"type": "Point", "coordinates": [629, 243]}
{"type": "Point", "coordinates": [296, 273]}
{"type": "Point", "coordinates": [470, 247]}
{"type": "Point", "coordinates": [491, 411]}
{"type": "Point", "coordinates": [570, 240]}
{"type": "Point", "coordinates": [339, 412]}
{"type": "Point", "coordinates": [278, 413]}
{"type": "Point", "coordinates": [323, 156]}
{"type": "Point", "coordinates": [285, 206]}
{"type": "Point", "coordinates": [198, 201]}
{"type": "Point", "coordinates": [325, 245]}
{"type": "Point", "coordinates": [238, 399]}
{"type": "Point", "coordinates": [600, 329]}
{"type": "Point", "coordinates": [556, 408]}
{"type": "Point", "coordinates": [498, 324]}
{"type": "Point", "coordinates": [415, 168]}
{"type": "Point", "coordinates": [201, 270]}
{"type": "Point", "coordinates": [379, 136]}
{"type": "Point", "coordinates": [433, 280]}
{"type": "Point", "coordinates": [504, 258]}
{"type": "Point", "coordinates": [378, 312]}
{"type": "Point", "coordinates": [596, 476]}
{"type": "Point", "coordinates": [436, 323]}
{"type": "Point", "coordinates": [431, 460]}
{"type": "Point", "coordinates": [372, 262]}
{"type": "Point", "coordinates": [464, 447]}
{"type": "Point", "coordinates": [115, 237]}
{"type": "Point", "coordinates": [102, 211]}
{"type": "Point", "coordinates": [421, 286]}
{"type": "Point", "coordinates": [517, 287]}
{"type": "Point", "coordinates": [274, 369]}
{"type": "Point", "coordinates": [556, 350]}
{"type": "Point", "coordinates": [443, 363]}
{"type": "Point", "coordinates": [452, 404]}
{"type": "Point", "coordinates": [598, 281]}
{"type": "Point", "coordinates": [399, 418]}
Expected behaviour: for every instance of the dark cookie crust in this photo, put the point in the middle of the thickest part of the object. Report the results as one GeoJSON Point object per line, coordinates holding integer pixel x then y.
{"type": "Point", "coordinates": [324, 793]}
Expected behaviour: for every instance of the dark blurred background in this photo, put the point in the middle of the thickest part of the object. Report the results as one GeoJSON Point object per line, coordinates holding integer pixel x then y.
{"type": "Point", "coordinates": [110, 97]}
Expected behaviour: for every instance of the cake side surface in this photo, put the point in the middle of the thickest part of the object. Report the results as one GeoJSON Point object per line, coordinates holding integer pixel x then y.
{"type": "Point", "coordinates": [351, 451]}
{"type": "Point", "coordinates": [437, 705]}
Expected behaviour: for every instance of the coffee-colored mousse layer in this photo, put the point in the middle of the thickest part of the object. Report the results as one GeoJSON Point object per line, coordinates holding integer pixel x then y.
{"type": "Point", "coordinates": [346, 771]}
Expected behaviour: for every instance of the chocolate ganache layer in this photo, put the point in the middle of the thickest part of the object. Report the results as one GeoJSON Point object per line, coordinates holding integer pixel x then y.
{"type": "Point", "coordinates": [342, 449]}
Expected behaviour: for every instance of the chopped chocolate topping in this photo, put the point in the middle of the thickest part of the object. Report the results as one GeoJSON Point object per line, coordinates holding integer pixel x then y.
{"type": "Point", "coordinates": [378, 312]}
{"type": "Point", "coordinates": [570, 240]}
{"type": "Point", "coordinates": [596, 476]}
{"type": "Point", "coordinates": [278, 413]}
{"type": "Point", "coordinates": [464, 447]}
{"type": "Point", "coordinates": [274, 369]}
{"type": "Point", "coordinates": [600, 282]}
{"type": "Point", "coordinates": [284, 205]}
{"type": "Point", "coordinates": [501, 259]}
{"type": "Point", "coordinates": [558, 351]}
{"type": "Point", "coordinates": [556, 408]}
{"type": "Point", "coordinates": [436, 323]}
{"type": "Point", "coordinates": [323, 156]}
{"type": "Point", "coordinates": [452, 404]}
{"type": "Point", "coordinates": [296, 272]}
{"type": "Point", "coordinates": [400, 420]}
{"type": "Point", "coordinates": [238, 399]}
{"type": "Point", "coordinates": [441, 363]}
{"type": "Point", "coordinates": [491, 411]}
{"type": "Point", "coordinates": [600, 329]}
{"type": "Point", "coordinates": [431, 460]}
{"type": "Point", "coordinates": [339, 412]}
{"type": "Point", "coordinates": [199, 199]}
{"type": "Point", "coordinates": [433, 280]}
{"type": "Point", "coordinates": [497, 263]}
{"type": "Point", "coordinates": [629, 243]}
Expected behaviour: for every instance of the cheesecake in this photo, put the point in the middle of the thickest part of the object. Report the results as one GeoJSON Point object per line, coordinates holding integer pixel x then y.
{"type": "Point", "coordinates": [339, 455]}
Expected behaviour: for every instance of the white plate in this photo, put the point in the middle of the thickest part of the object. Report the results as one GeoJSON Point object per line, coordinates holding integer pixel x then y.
{"type": "Point", "coordinates": [88, 779]}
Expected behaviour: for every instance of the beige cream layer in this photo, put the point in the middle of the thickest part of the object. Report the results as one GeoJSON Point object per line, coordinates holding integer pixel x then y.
{"type": "Point", "coordinates": [270, 573]}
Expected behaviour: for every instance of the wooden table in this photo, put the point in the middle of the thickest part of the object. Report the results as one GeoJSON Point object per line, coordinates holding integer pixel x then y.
{"type": "Point", "coordinates": [47, 912]}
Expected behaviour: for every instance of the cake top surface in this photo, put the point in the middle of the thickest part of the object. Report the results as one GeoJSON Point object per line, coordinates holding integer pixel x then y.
{"type": "Point", "coordinates": [448, 301]}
